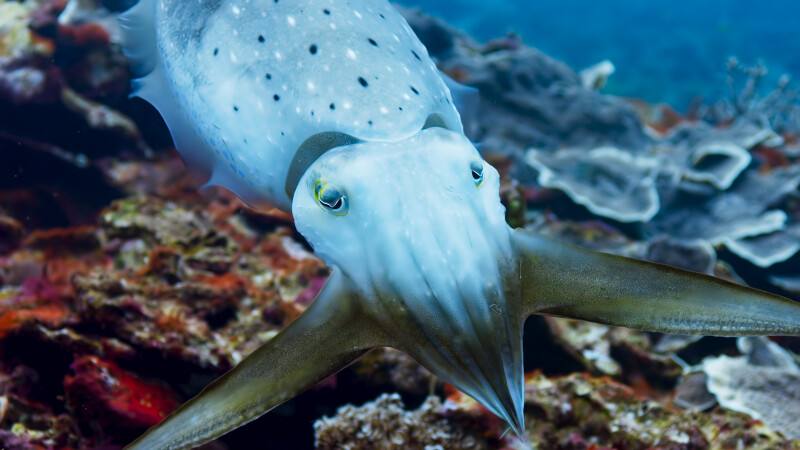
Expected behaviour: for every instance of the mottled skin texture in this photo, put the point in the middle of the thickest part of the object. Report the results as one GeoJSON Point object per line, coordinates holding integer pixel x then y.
{"type": "Point", "coordinates": [412, 225]}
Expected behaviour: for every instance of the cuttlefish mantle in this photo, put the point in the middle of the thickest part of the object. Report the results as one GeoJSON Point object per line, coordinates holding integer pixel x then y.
{"type": "Point", "coordinates": [334, 110]}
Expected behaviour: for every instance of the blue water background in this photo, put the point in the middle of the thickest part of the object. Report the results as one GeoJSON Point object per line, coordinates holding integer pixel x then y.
{"type": "Point", "coordinates": [666, 51]}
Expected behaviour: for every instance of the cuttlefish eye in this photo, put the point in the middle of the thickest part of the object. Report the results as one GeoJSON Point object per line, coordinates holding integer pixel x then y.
{"type": "Point", "coordinates": [332, 198]}
{"type": "Point", "coordinates": [477, 172]}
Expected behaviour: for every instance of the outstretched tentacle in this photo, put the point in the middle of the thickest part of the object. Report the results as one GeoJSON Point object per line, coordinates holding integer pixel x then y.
{"type": "Point", "coordinates": [564, 280]}
{"type": "Point", "coordinates": [328, 336]}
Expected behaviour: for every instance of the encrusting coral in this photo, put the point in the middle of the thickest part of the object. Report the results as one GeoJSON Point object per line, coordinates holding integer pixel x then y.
{"type": "Point", "coordinates": [384, 423]}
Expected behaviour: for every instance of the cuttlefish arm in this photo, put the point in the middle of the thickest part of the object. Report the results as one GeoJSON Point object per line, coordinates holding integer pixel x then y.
{"type": "Point", "coordinates": [327, 337]}
{"type": "Point", "coordinates": [563, 280]}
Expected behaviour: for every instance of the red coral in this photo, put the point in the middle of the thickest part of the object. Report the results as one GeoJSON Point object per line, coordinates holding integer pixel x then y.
{"type": "Point", "coordinates": [100, 393]}
{"type": "Point", "coordinates": [87, 34]}
{"type": "Point", "coordinates": [37, 300]}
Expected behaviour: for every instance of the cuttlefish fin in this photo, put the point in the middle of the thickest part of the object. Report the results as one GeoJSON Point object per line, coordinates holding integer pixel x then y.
{"type": "Point", "coordinates": [567, 281]}
{"type": "Point", "coordinates": [328, 336]}
{"type": "Point", "coordinates": [467, 101]}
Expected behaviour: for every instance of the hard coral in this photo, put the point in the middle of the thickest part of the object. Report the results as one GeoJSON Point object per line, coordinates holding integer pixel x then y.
{"type": "Point", "coordinates": [28, 424]}
{"type": "Point", "coordinates": [384, 424]}
{"type": "Point", "coordinates": [606, 180]}
{"type": "Point", "coordinates": [168, 288]}
{"type": "Point", "coordinates": [580, 412]}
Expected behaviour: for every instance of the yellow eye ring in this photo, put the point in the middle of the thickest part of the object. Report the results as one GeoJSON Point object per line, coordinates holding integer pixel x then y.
{"type": "Point", "coordinates": [331, 198]}
{"type": "Point", "coordinates": [477, 172]}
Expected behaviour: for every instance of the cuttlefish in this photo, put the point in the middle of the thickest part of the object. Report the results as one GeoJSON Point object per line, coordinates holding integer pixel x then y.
{"type": "Point", "coordinates": [334, 111]}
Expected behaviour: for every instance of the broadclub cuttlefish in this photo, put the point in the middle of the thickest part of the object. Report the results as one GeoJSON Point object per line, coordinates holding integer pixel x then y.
{"type": "Point", "coordinates": [333, 110]}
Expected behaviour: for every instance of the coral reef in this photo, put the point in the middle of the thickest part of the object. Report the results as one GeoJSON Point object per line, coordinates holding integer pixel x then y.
{"type": "Point", "coordinates": [164, 289]}
{"type": "Point", "coordinates": [124, 289]}
{"type": "Point", "coordinates": [576, 411]}
{"type": "Point", "coordinates": [582, 412]}
{"type": "Point", "coordinates": [384, 423]}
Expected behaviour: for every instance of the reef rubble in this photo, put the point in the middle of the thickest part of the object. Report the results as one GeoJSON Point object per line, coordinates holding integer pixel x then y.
{"type": "Point", "coordinates": [124, 288]}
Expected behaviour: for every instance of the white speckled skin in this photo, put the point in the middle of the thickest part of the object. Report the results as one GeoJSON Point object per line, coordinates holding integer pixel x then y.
{"type": "Point", "coordinates": [243, 83]}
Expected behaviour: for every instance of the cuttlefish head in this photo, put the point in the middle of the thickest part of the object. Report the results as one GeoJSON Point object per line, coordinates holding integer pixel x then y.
{"type": "Point", "coordinates": [418, 228]}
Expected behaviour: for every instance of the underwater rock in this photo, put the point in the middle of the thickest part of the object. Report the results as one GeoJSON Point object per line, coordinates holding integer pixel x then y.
{"type": "Point", "coordinates": [592, 234]}
{"type": "Point", "coordinates": [100, 394]}
{"type": "Point", "coordinates": [72, 81]}
{"type": "Point", "coordinates": [24, 74]}
{"type": "Point", "coordinates": [692, 393]}
{"type": "Point", "coordinates": [175, 290]}
{"type": "Point", "coordinates": [394, 370]}
{"type": "Point", "coordinates": [764, 383]}
{"type": "Point", "coordinates": [622, 353]}
{"type": "Point", "coordinates": [99, 116]}
{"type": "Point", "coordinates": [384, 424]}
{"type": "Point", "coordinates": [26, 422]}
{"type": "Point", "coordinates": [578, 411]}
{"type": "Point", "coordinates": [186, 277]}
{"type": "Point", "coordinates": [587, 342]}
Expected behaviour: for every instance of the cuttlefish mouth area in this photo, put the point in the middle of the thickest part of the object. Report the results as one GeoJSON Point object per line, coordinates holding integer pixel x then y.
{"type": "Point", "coordinates": [418, 227]}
